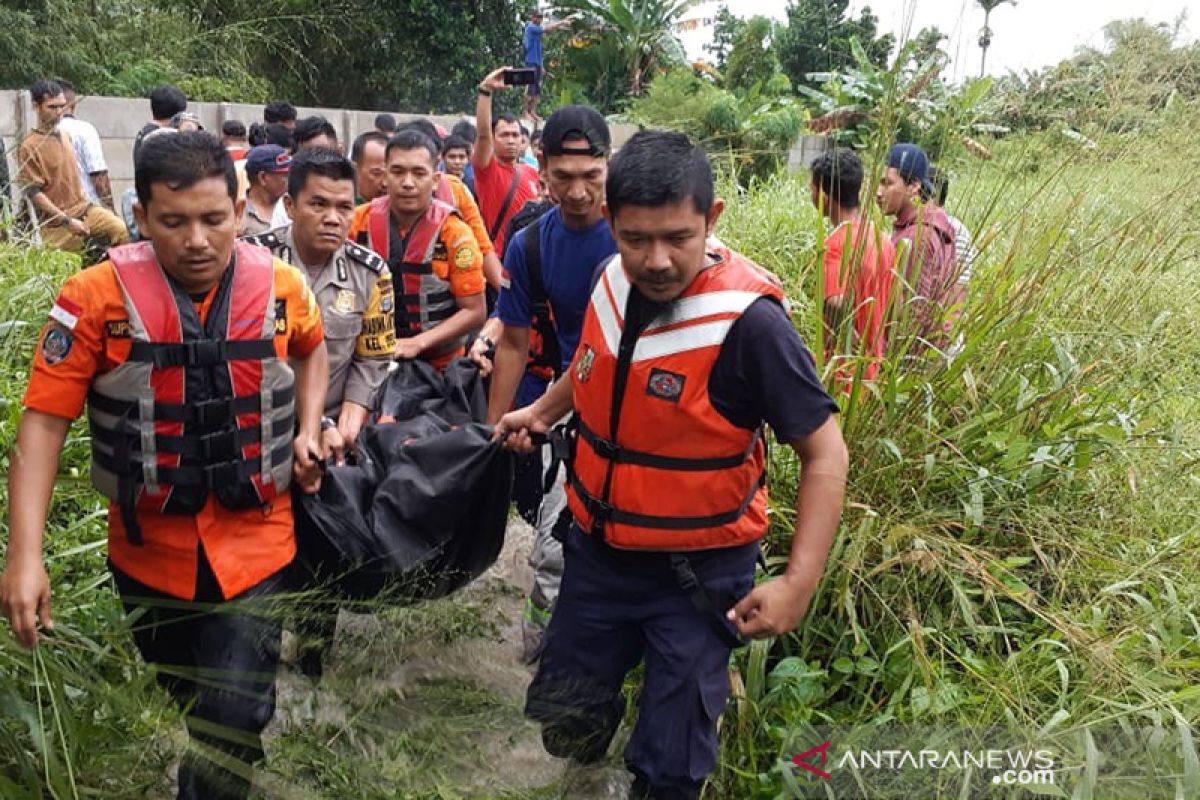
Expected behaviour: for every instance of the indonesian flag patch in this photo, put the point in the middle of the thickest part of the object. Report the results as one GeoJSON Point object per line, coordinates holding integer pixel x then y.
{"type": "Point", "coordinates": [66, 312]}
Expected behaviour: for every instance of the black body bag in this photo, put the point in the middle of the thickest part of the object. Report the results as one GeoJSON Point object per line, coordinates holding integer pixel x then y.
{"type": "Point", "coordinates": [421, 509]}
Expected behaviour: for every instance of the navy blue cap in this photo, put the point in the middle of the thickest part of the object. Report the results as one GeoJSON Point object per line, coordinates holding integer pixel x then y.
{"type": "Point", "coordinates": [910, 161]}
{"type": "Point", "coordinates": [576, 122]}
{"type": "Point", "coordinates": [268, 158]}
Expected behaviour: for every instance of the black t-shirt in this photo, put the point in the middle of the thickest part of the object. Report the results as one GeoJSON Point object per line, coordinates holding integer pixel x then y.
{"type": "Point", "coordinates": [764, 372]}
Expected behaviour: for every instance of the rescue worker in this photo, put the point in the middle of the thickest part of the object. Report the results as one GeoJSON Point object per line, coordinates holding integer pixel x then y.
{"type": "Point", "coordinates": [686, 352]}
{"type": "Point", "coordinates": [432, 254]}
{"type": "Point", "coordinates": [546, 309]}
{"type": "Point", "coordinates": [216, 349]}
{"type": "Point", "coordinates": [453, 190]}
{"type": "Point", "coordinates": [353, 288]}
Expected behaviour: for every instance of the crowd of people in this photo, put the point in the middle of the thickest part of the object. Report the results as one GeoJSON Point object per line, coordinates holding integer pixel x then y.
{"type": "Point", "coordinates": [241, 340]}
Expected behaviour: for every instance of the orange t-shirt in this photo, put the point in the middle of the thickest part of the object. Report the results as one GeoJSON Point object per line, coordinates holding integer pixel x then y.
{"type": "Point", "coordinates": [863, 273]}
{"type": "Point", "coordinates": [243, 546]}
{"type": "Point", "coordinates": [469, 210]}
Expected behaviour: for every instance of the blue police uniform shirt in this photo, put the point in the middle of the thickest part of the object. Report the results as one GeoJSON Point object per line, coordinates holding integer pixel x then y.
{"type": "Point", "coordinates": [570, 258]}
{"type": "Point", "coordinates": [532, 43]}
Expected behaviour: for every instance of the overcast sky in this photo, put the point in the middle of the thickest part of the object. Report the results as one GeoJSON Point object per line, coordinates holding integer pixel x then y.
{"type": "Point", "coordinates": [1031, 34]}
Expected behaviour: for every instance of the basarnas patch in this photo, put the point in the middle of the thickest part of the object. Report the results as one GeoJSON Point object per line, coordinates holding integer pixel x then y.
{"type": "Point", "coordinates": [665, 385]}
{"type": "Point", "coordinates": [56, 345]}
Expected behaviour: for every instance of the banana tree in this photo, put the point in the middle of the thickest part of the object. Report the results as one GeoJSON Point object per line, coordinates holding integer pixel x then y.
{"type": "Point", "coordinates": [641, 31]}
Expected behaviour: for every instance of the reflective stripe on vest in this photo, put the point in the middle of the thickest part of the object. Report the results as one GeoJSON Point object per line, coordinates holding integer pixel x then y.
{"type": "Point", "coordinates": [195, 408]}
{"type": "Point", "coordinates": [423, 300]}
{"type": "Point", "coordinates": [675, 474]}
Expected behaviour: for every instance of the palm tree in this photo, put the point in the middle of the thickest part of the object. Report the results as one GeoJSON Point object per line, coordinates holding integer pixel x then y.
{"type": "Point", "coordinates": [985, 35]}
{"type": "Point", "coordinates": [643, 32]}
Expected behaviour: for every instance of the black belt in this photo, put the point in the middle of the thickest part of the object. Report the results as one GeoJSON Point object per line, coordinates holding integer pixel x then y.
{"type": "Point", "coordinates": [202, 353]}
{"type": "Point", "coordinates": [611, 451]}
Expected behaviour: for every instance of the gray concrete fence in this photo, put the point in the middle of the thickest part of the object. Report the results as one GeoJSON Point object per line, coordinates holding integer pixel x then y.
{"type": "Point", "coordinates": [118, 120]}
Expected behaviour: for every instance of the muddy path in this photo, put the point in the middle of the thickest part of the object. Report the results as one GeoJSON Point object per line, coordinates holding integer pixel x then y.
{"type": "Point", "coordinates": [425, 702]}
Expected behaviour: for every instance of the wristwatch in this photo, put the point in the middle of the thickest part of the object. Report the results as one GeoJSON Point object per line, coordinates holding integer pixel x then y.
{"type": "Point", "coordinates": [327, 423]}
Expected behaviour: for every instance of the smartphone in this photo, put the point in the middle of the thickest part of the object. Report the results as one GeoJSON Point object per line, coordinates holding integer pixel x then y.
{"type": "Point", "coordinates": [520, 77]}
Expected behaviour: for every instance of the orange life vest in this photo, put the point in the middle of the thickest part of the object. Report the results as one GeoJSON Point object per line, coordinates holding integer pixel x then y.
{"type": "Point", "coordinates": [423, 300]}
{"type": "Point", "coordinates": [655, 465]}
{"type": "Point", "coordinates": [197, 407]}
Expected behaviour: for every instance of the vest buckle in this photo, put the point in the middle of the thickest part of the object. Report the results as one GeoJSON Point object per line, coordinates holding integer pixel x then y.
{"type": "Point", "coordinates": [206, 352]}
{"type": "Point", "coordinates": [212, 412]}
{"type": "Point", "coordinates": [220, 445]}
{"type": "Point", "coordinates": [609, 451]}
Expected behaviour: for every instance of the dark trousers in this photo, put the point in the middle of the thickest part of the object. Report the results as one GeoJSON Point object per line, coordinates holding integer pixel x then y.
{"type": "Point", "coordinates": [217, 658]}
{"type": "Point", "coordinates": [615, 609]}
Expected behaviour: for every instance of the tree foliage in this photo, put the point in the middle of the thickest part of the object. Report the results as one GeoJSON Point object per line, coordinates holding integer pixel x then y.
{"type": "Point", "coordinates": [818, 35]}
{"type": "Point", "coordinates": [639, 34]}
{"type": "Point", "coordinates": [752, 61]}
{"type": "Point", "coordinates": [1142, 70]}
{"type": "Point", "coordinates": [414, 55]}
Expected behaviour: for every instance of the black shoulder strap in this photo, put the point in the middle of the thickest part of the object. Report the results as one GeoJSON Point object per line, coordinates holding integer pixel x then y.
{"type": "Point", "coordinates": [508, 198]}
{"type": "Point", "coordinates": [533, 263]}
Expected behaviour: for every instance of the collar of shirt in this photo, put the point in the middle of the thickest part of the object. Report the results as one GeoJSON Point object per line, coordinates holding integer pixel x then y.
{"type": "Point", "coordinates": [318, 277]}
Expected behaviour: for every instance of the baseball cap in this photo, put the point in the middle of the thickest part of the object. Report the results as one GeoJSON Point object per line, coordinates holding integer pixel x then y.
{"type": "Point", "coordinates": [910, 161]}
{"type": "Point", "coordinates": [268, 158]}
{"type": "Point", "coordinates": [576, 122]}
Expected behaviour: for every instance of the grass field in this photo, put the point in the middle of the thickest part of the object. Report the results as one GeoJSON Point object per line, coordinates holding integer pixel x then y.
{"type": "Point", "coordinates": [1019, 546]}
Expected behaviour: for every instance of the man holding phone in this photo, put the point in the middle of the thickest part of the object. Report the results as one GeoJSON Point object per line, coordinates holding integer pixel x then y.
{"type": "Point", "coordinates": [502, 181]}
{"type": "Point", "coordinates": [531, 44]}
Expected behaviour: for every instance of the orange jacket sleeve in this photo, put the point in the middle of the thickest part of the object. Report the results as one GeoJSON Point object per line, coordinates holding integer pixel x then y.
{"type": "Point", "coordinates": [463, 258]}
{"type": "Point", "coordinates": [70, 348]}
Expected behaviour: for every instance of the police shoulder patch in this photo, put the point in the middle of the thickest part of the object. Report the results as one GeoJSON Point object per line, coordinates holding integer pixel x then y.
{"type": "Point", "coordinates": [367, 258]}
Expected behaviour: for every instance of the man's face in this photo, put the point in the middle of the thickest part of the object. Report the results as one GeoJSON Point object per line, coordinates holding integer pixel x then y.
{"type": "Point", "coordinates": [663, 247]}
{"type": "Point", "coordinates": [412, 177]}
{"type": "Point", "coordinates": [321, 214]}
{"type": "Point", "coordinates": [274, 184]}
{"type": "Point", "coordinates": [508, 141]}
{"type": "Point", "coordinates": [456, 161]}
{"type": "Point", "coordinates": [372, 171]}
{"type": "Point", "coordinates": [576, 182]}
{"type": "Point", "coordinates": [192, 230]}
{"type": "Point", "coordinates": [290, 124]}
{"type": "Point", "coordinates": [894, 193]}
{"type": "Point", "coordinates": [50, 110]}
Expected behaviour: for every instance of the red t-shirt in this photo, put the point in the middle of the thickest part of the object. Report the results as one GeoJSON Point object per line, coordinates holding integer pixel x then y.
{"type": "Point", "coordinates": [863, 273]}
{"type": "Point", "coordinates": [491, 185]}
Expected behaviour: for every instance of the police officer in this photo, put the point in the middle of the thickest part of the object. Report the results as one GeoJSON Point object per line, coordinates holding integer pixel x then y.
{"type": "Point", "coordinates": [216, 349]}
{"type": "Point", "coordinates": [353, 288]}
{"type": "Point", "coordinates": [352, 285]}
{"type": "Point", "coordinates": [686, 351]}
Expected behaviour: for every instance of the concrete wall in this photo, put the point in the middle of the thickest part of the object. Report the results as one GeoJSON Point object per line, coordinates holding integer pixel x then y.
{"type": "Point", "coordinates": [118, 120]}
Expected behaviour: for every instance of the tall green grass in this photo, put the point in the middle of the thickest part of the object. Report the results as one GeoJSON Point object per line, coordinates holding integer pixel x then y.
{"type": "Point", "coordinates": [1019, 541]}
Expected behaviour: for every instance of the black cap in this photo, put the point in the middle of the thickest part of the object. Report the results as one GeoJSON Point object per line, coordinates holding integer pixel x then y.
{"type": "Point", "coordinates": [576, 122]}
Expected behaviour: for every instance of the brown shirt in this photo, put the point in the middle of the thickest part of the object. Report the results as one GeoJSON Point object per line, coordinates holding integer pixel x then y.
{"type": "Point", "coordinates": [48, 165]}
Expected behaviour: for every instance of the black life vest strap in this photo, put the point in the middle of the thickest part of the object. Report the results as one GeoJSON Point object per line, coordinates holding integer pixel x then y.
{"type": "Point", "coordinates": [702, 601]}
{"type": "Point", "coordinates": [611, 451]}
{"type": "Point", "coordinates": [602, 512]}
{"type": "Point", "coordinates": [201, 352]}
{"type": "Point", "coordinates": [209, 413]}
{"type": "Point", "coordinates": [208, 447]}
{"type": "Point", "coordinates": [189, 476]}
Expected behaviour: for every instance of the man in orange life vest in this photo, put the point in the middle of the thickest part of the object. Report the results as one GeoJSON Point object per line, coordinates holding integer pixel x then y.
{"type": "Point", "coordinates": [436, 265]}
{"type": "Point", "coordinates": [685, 353]}
{"type": "Point", "coordinates": [197, 358]}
